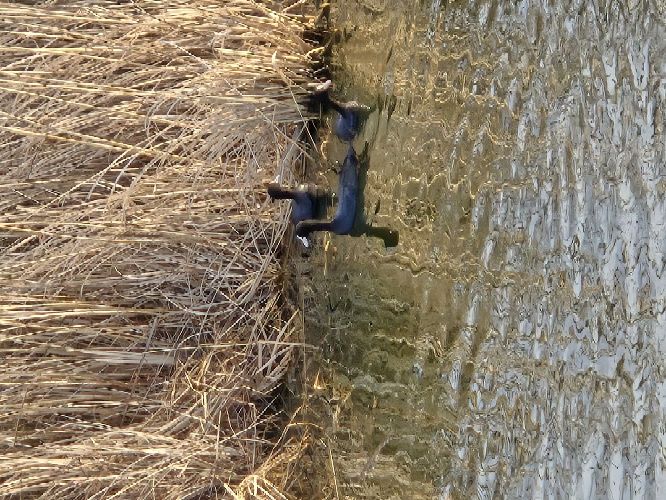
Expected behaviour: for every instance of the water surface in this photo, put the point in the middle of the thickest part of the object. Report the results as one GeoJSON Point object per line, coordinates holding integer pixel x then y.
{"type": "Point", "coordinates": [511, 345]}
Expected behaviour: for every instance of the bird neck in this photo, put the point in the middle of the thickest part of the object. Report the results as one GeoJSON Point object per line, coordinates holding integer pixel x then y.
{"type": "Point", "coordinates": [304, 228]}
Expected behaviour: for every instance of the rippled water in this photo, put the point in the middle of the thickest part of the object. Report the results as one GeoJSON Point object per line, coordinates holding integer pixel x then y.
{"type": "Point", "coordinates": [511, 346]}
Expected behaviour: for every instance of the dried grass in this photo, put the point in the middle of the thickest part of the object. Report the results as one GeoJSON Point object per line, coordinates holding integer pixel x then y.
{"type": "Point", "coordinates": [141, 324]}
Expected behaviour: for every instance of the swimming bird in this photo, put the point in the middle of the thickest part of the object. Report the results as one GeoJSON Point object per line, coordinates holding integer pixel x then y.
{"type": "Point", "coordinates": [351, 115]}
{"type": "Point", "coordinates": [306, 201]}
{"type": "Point", "coordinates": [343, 222]}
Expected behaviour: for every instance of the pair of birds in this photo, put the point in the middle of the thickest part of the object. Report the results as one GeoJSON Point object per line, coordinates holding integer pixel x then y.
{"type": "Point", "coordinates": [350, 119]}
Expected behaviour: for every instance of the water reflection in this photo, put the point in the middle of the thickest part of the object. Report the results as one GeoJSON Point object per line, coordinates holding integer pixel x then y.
{"type": "Point", "coordinates": [511, 345]}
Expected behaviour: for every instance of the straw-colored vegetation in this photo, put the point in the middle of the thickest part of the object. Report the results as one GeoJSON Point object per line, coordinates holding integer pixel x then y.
{"type": "Point", "coordinates": [142, 328]}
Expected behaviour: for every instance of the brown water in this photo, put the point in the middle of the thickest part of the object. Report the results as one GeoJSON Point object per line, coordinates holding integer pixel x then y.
{"type": "Point", "coordinates": [511, 345]}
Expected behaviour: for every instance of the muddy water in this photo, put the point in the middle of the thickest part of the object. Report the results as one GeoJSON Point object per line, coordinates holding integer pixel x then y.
{"type": "Point", "coordinates": [513, 344]}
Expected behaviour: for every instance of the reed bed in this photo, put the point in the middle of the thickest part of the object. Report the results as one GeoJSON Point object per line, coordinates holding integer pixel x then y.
{"type": "Point", "coordinates": [142, 327]}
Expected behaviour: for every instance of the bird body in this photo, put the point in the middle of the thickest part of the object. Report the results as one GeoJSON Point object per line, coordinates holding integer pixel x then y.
{"type": "Point", "coordinates": [348, 122]}
{"type": "Point", "coordinates": [343, 222]}
{"type": "Point", "coordinates": [351, 115]}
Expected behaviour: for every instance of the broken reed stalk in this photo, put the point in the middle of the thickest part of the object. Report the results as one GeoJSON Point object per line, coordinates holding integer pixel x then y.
{"type": "Point", "coordinates": [141, 324]}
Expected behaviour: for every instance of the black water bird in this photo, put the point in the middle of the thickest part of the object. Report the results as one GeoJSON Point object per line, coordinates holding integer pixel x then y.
{"type": "Point", "coordinates": [351, 115]}
{"type": "Point", "coordinates": [343, 222]}
{"type": "Point", "coordinates": [307, 202]}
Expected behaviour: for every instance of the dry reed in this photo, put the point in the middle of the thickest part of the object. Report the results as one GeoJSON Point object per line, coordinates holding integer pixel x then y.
{"type": "Point", "coordinates": [141, 324]}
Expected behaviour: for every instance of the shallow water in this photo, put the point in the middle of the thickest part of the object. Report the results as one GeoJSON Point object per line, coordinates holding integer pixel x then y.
{"type": "Point", "coordinates": [511, 345]}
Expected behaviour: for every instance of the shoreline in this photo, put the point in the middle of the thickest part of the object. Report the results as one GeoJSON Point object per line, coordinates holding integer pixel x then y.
{"type": "Point", "coordinates": [144, 330]}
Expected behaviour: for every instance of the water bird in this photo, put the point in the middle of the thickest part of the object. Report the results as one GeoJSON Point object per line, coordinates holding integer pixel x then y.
{"type": "Point", "coordinates": [351, 115]}
{"type": "Point", "coordinates": [343, 222]}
